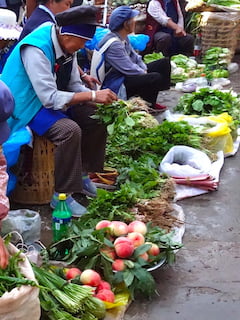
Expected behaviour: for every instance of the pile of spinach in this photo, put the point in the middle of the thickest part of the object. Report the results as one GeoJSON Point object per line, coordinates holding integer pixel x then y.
{"type": "Point", "coordinates": [210, 101]}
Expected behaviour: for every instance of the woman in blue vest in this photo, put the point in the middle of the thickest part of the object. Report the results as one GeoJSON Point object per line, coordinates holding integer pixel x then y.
{"type": "Point", "coordinates": [124, 66]}
{"type": "Point", "coordinates": [165, 26]}
{"type": "Point", "coordinates": [80, 140]}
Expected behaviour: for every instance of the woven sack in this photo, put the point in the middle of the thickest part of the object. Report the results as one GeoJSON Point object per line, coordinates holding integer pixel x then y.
{"type": "Point", "coordinates": [220, 29]}
{"type": "Point", "coordinates": [22, 302]}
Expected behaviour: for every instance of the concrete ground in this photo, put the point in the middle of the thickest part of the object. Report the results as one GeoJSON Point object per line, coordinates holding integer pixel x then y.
{"type": "Point", "coordinates": [204, 282]}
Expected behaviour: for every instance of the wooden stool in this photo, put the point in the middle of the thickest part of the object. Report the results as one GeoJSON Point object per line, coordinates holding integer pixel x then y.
{"type": "Point", "coordinates": [35, 183]}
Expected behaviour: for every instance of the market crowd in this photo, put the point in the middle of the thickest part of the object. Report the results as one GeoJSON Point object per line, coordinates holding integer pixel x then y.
{"type": "Point", "coordinates": [43, 87]}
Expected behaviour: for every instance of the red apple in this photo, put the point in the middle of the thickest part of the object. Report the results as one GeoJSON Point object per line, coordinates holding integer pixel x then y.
{"type": "Point", "coordinates": [90, 277]}
{"type": "Point", "coordinates": [72, 273]}
{"type": "Point", "coordinates": [124, 247]}
{"type": "Point", "coordinates": [137, 226]}
{"type": "Point", "coordinates": [102, 224]}
{"type": "Point", "coordinates": [137, 238]}
{"type": "Point", "coordinates": [103, 285]}
{"type": "Point", "coordinates": [154, 250]}
{"type": "Point", "coordinates": [118, 265]}
{"type": "Point", "coordinates": [109, 252]}
{"type": "Point", "coordinates": [144, 256]}
{"type": "Point", "coordinates": [118, 228]}
{"type": "Point", "coordinates": [105, 295]}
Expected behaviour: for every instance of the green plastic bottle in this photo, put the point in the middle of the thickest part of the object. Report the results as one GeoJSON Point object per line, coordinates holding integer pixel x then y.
{"type": "Point", "coordinates": [61, 218]}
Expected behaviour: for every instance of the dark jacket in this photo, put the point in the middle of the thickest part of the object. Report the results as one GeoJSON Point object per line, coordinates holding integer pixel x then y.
{"type": "Point", "coordinates": [37, 18]}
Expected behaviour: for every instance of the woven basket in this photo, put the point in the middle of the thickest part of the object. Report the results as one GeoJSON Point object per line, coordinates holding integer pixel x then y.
{"type": "Point", "coordinates": [220, 29]}
{"type": "Point", "coordinates": [36, 177]}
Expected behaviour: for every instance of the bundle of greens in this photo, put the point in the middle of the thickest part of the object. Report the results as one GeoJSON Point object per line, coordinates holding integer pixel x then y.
{"type": "Point", "coordinates": [63, 300]}
{"type": "Point", "coordinates": [152, 57]}
{"type": "Point", "coordinates": [11, 277]}
{"type": "Point", "coordinates": [225, 3]}
{"type": "Point", "coordinates": [216, 61]}
{"type": "Point", "coordinates": [210, 101]}
{"type": "Point", "coordinates": [184, 68]}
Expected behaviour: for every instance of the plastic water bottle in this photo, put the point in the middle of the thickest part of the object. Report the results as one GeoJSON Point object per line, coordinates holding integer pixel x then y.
{"type": "Point", "coordinates": [61, 218]}
{"type": "Point", "coordinates": [197, 49]}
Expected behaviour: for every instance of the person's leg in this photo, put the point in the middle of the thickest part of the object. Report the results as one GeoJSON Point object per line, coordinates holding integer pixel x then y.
{"type": "Point", "coordinates": [146, 86]}
{"type": "Point", "coordinates": [185, 45]}
{"type": "Point", "coordinates": [66, 135]}
{"type": "Point", "coordinates": [94, 135]}
{"type": "Point", "coordinates": [163, 67]}
{"type": "Point", "coordinates": [162, 43]}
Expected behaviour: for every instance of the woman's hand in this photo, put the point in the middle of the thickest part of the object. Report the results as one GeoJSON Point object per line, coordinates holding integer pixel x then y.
{"type": "Point", "coordinates": [4, 255]}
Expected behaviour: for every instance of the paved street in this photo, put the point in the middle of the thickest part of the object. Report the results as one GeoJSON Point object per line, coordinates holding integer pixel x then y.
{"type": "Point", "coordinates": [204, 282]}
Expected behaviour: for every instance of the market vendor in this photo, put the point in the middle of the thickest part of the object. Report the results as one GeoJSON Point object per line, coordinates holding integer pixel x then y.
{"type": "Point", "coordinates": [6, 109]}
{"type": "Point", "coordinates": [125, 67]}
{"type": "Point", "coordinates": [79, 139]}
{"type": "Point", "coordinates": [165, 26]}
{"type": "Point", "coordinates": [45, 13]}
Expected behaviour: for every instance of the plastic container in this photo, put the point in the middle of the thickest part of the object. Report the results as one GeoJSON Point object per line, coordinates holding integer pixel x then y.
{"type": "Point", "coordinates": [61, 218]}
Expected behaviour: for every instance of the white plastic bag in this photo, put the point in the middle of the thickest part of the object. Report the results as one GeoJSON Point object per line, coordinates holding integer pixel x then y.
{"type": "Point", "coordinates": [26, 222]}
{"type": "Point", "coordinates": [22, 302]}
{"type": "Point", "coordinates": [184, 161]}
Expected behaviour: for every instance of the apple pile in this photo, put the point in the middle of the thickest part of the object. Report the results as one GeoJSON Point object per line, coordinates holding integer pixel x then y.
{"type": "Point", "coordinates": [101, 289]}
{"type": "Point", "coordinates": [125, 239]}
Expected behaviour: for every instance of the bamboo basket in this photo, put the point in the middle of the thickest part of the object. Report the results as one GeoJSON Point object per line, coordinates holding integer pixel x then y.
{"type": "Point", "coordinates": [35, 183]}
{"type": "Point", "coordinates": [220, 29]}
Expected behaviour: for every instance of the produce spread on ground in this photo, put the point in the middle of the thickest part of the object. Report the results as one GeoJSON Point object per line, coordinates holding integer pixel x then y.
{"type": "Point", "coordinates": [105, 260]}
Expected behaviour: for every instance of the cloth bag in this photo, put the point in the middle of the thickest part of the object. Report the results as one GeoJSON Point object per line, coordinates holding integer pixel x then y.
{"type": "Point", "coordinates": [22, 302]}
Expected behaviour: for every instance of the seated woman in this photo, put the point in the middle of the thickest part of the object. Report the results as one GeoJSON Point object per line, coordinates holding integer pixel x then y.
{"type": "Point", "coordinates": [125, 66]}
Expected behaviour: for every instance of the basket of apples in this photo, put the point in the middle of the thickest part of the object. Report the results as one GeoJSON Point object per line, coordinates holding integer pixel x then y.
{"type": "Point", "coordinates": [129, 242]}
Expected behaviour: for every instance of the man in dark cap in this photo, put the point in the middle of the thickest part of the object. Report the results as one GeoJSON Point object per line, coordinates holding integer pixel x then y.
{"type": "Point", "coordinates": [62, 116]}
{"type": "Point", "coordinates": [45, 13]}
{"type": "Point", "coordinates": [6, 109]}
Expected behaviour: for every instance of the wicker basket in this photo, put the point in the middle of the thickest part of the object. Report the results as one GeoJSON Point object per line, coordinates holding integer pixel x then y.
{"type": "Point", "coordinates": [36, 177]}
{"type": "Point", "coordinates": [220, 29]}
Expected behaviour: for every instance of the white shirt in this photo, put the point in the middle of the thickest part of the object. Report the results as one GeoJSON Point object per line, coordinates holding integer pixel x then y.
{"type": "Point", "coordinates": [156, 11]}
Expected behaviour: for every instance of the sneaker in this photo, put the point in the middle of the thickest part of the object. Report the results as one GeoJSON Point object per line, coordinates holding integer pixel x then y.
{"type": "Point", "coordinates": [89, 188]}
{"type": "Point", "coordinates": [76, 208]}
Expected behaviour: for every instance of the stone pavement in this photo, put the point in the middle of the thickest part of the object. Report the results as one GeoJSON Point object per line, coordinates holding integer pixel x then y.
{"type": "Point", "coordinates": [203, 284]}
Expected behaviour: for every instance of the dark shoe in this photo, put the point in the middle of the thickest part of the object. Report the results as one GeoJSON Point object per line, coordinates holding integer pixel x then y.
{"type": "Point", "coordinates": [89, 188]}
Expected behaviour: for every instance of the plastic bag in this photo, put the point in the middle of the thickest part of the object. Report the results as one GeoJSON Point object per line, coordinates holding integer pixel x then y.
{"type": "Point", "coordinates": [21, 303]}
{"type": "Point", "coordinates": [184, 161]}
{"type": "Point", "coordinates": [218, 129]}
{"type": "Point", "coordinates": [139, 41]}
{"type": "Point", "coordinates": [11, 149]}
{"type": "Point", "coordinates": [24, 221]}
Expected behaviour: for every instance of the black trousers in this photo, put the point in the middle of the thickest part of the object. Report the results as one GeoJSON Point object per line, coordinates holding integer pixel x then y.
{"type": "Point", "coordinates": [169, 45]}
{"type": "Point", "coordinates": [148, 85]}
